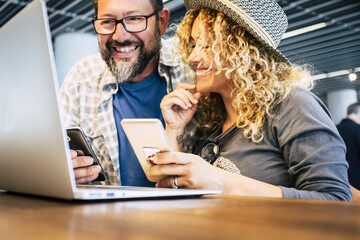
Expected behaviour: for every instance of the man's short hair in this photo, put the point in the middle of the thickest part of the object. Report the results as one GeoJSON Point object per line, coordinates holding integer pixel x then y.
{"type": "Point", "coordinates": [353, 108]}
{"type": "Point", "coordinates": [158, 5]}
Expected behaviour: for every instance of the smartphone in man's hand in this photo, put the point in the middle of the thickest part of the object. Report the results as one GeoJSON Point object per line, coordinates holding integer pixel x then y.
{"type": "Point", "coordinates": [78, 141]}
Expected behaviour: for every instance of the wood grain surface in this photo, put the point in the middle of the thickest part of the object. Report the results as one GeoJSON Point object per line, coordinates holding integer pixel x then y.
{"type": "Point", "coordinates": [212, 217]}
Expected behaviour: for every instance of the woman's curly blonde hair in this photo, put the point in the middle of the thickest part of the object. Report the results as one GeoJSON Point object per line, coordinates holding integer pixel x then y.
{"type": "Point", "coordinates": [259, 81]}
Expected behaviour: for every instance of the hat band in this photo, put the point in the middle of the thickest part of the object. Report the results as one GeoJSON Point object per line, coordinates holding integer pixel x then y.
{"type": "Point", "coordinates": [252, 22]}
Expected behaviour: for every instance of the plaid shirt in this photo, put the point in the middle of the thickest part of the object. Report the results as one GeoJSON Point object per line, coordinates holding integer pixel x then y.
{"type": "Point", "coordinates": [87, 101]}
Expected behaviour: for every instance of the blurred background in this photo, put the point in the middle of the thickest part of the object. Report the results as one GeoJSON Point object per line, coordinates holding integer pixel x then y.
{"type": "Point", "coordinates": [324, 33]}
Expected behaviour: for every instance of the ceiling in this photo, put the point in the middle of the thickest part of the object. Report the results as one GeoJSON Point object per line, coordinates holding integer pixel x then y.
{"type": "Point", "coordinates": [332, 50]}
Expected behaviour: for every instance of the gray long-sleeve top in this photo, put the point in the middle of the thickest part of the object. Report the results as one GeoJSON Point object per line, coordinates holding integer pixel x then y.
{"type": "Point", "coordinates": [302, 151]}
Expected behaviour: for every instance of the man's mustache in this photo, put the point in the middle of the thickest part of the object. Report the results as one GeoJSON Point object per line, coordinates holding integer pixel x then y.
{"type": "Point", "coordinates": [124, 44]}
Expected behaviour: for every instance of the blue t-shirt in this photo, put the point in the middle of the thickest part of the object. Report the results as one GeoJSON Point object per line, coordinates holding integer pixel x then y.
{"type": "Point", "coordinates": [137, 100]}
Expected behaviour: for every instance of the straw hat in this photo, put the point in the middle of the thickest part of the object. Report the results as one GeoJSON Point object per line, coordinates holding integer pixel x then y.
{"type": "Point", "coordinates": [264, 19]}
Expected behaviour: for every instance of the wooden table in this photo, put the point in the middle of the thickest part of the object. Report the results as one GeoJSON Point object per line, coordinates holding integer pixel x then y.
{"type": "Point", "coordinates": [212, 217]}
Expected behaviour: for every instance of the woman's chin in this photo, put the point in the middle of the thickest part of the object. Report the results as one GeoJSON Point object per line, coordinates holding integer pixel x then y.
{"type": "Point", "coordinates": [201, 90]}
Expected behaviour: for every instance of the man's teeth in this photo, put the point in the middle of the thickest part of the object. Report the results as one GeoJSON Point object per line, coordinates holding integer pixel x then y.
{"type": "Point", "coordinates": [125, 49]}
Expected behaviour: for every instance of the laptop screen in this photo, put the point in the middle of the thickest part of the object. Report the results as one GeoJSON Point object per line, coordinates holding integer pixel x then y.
{"type": "Point", "coordinates": [32, 140]}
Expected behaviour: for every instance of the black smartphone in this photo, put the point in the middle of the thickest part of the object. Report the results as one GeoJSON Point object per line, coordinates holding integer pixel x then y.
{"type": "Point", "coordinates": [78, 141]}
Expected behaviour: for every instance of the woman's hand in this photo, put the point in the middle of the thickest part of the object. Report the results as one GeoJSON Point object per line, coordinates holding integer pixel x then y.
{"type": "Point", "coordinates": [194, 172]}
{"type": "Point", "coordinates": [179, 106]}
{"type": "Point", "coordinates": [191, 170]}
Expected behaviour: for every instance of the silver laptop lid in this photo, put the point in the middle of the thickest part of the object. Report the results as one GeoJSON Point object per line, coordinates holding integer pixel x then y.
{"type": "Point", "coordinates": [32, 142]}
{"type": "Point", "coordinates": [33, 148]}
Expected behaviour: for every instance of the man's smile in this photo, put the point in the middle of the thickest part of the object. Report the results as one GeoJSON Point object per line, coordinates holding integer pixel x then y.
{"type": "Point", "coordinates": [125, 49]}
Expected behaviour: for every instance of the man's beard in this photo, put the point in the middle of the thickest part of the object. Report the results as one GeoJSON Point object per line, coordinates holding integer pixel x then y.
{"type": "Point", "coordinates": [124, 71]}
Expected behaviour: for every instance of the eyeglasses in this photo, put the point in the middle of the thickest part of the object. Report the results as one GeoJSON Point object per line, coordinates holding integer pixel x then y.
{"type": "Point", "coordinates": [132, 24]}
{"type": "Point", "coordinates": [210, 152]}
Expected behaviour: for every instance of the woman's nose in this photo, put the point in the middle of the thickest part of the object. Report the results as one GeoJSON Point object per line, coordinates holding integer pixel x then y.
{"type": "Point", "coordinates": [194, 57]}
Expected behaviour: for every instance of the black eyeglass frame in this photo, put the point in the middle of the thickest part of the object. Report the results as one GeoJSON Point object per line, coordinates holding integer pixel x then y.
{"type": "Point", "coordinates": [123, 24]}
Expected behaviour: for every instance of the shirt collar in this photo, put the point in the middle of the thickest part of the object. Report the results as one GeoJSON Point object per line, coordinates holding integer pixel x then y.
{"type": "Point", "coordinates": [168, 56]}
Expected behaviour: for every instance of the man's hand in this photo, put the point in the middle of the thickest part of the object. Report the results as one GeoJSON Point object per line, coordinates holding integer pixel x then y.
{"type": "Point", "coordinates": [83, 170]}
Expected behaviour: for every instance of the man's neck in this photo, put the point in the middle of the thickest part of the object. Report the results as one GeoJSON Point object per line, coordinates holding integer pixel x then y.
{"type": "Point", "coordinates": [148, 70]}
{"type": "Point", "coordinates": [355, 118]}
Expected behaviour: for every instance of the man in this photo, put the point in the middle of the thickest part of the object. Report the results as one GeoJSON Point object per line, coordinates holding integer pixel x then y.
{"type": "Point", "coordinates": [135, 70]}
{"type": "Point", "coordinates": [349, 129]}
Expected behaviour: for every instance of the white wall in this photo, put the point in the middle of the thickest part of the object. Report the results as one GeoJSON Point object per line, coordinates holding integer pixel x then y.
{"type": "Point", "coordinates": [338, 102]}
{"type": "Point", "coordinates": [70, 48]}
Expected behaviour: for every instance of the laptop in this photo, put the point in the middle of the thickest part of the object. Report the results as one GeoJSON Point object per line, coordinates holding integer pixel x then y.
{"type": "Point", "coordinates": [34, 152]}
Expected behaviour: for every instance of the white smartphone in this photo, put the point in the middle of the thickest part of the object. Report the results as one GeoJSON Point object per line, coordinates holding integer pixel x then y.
{"type": "Point", "coordinates": [146, 136]}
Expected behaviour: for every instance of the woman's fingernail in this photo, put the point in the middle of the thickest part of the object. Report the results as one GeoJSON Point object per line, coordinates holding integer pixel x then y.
{"type": "Point", "coordinates": [151, 159]}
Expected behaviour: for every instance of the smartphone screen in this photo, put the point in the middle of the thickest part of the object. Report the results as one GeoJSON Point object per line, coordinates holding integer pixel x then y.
{"type": "Point", "coordinates": [77, 141]}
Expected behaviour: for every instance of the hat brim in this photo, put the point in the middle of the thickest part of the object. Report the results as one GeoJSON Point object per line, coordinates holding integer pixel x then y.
{"type": "Point", "coordinates": [235, 16]}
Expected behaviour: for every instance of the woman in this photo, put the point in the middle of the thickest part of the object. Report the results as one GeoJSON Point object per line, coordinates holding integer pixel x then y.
{"type": "Point", "coordinates": [260, 132]}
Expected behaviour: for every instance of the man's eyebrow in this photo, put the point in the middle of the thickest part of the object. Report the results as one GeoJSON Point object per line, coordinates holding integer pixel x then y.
{"type": "Point", "coordinates": [107, 16]}
{"type": "Point", "coordinates": [127, 14]}
{"type": "Point", "coordinates": [134, 13]}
